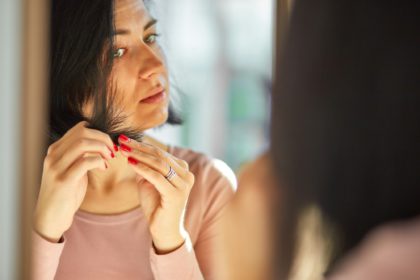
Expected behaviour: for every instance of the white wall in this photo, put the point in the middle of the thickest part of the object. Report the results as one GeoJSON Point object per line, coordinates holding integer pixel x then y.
{"type": "Point", "coordinates": [10, 90]}
{"type": "Point", "coordinates": [219, 53]}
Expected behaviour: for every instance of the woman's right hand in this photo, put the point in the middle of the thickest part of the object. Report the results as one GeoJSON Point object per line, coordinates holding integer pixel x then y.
{"type": "Point", "coordinates": [64, 178]}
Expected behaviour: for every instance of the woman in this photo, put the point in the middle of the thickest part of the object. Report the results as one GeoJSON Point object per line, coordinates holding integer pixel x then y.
{"type": "Point", "coordinates": [113, 203]}
{"type": "Point", "coordinates": [344, 152]}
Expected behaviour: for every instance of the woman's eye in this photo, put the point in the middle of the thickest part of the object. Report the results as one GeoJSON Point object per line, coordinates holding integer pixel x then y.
{"type": "Point", "coordinates": [151, 38]}
{"type": "Point", "coordinates": [119, 53]}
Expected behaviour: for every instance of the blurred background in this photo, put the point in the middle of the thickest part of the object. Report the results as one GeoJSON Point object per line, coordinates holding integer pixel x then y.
{"type": "Point", "coordinates": [10, 95]}
{"type": "Point", "coordinates": [219, 54]}
{"type": "Point", "coordinates": [220, 58]}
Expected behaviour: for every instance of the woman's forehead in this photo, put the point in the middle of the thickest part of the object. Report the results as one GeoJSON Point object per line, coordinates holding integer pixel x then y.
{"type": "Point", "coordinates": [129, 9]}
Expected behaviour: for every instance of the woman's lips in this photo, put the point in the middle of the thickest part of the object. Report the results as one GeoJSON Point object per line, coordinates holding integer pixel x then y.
{"type": "Point", "coordinates": [154, 98]}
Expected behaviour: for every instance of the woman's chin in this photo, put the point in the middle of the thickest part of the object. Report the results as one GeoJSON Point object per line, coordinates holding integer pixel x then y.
{"type": "Point", "coordinates": [156, 122]}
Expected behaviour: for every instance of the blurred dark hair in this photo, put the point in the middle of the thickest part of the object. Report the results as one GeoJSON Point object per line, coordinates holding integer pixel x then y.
{"type": "Point", "coordinates": [81, 62]}
{"type": "Point", "coordinates": [346, 119]}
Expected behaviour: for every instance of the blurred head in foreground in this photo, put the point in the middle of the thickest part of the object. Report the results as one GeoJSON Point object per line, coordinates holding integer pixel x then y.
{"type": "Point", "coordinates": [345, 128]}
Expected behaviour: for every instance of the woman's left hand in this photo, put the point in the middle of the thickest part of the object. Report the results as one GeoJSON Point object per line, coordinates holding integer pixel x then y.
{"type": "Point", "coordinates": [163, 197]}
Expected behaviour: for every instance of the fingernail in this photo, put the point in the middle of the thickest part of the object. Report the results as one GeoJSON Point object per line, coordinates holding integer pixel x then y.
{"type": "Point", "coordinates": [132, 161]}
{"type": "Point", "coordinates": [124, 138]}
{"type": "Point", "coordinates": [111, 153]}
{"type": "Point", "coordinates": [115, 147]}
{"type": "Point", "coordinates": [125, 148]}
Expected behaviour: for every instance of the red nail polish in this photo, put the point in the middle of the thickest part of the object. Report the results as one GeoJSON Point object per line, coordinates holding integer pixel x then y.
{"type": "Point", "coordinates": [132, 161]}
{"type": "Point", "coordinates": [124, 138]}
{"type": "Point", "coordinates": [115, 147]}
{"type": "Point", "coordinates": [112, 155]}
{"type": "Point", "coordinates": [125, 148]}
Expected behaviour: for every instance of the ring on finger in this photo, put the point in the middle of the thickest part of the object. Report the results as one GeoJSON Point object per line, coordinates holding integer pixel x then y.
{"type": "Point", "coordinates": [171, 174]}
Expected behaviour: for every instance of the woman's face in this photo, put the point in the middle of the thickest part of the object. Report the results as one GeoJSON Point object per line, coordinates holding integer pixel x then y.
{"type": "Point", "coordinates": [139, 72]}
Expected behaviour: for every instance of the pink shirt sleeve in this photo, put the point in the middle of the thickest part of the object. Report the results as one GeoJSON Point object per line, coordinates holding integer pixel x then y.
{"type": "Point", "coordinates": [195, 262]}
{"type": "Point", "coordinates": [180, 264]}
{"type": "Point", "coordinates": [45, 257]}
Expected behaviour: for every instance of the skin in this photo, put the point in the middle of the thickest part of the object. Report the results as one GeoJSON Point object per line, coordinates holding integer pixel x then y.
{"type": "Point", "coordinates": [249, 212]}
{"type": "Point", "coordinates": [83, 172]}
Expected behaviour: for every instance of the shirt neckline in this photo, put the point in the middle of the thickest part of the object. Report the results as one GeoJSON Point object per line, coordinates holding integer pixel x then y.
{"type": "Point", "coordinates": [109, 218]}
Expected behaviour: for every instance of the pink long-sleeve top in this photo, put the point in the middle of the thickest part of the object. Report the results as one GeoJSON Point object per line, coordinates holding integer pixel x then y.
{"type": "Point", "coordinates": [120, 247]}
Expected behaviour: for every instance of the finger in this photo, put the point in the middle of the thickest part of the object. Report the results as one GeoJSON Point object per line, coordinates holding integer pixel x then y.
{"type": "Point", "coordinates": [180, 172]}
{"type": "Point", "coordinates": [80, 148]}
{"type": "Point", "coordinates": [152, 161]}
{"type": "Point", "coordinates": [180, 166]}
{"type": "Point", "coordinates": [84, 164]}
{"type": "Point", "coordinates": [100, 136]}
{"type": "Point", "coordinates": [80, 131]}
{"type": "Point", "coordinates": [57, 145]}
{"type": "Point", "coordinates": [157, 164]}
{"type": "Point", "coordinates": [74, 130]}
{"type": "Point", "coordinates": [163, 186]}
{"type": "Point", "coordinates": [182, 163]}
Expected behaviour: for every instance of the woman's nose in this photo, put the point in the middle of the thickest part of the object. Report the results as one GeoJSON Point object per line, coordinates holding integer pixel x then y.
{"type": "Point", "coordinates": [150, 64]}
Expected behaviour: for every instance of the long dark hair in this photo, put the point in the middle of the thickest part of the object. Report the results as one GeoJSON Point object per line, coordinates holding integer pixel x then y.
{"type": "Point", "coordinates": [81, 62]}
{"type": "Point", "coordinates": [346, 119]}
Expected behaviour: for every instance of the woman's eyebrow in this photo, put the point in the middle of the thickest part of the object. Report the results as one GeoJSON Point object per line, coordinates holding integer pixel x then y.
{"type": "Point", "coordinates": [127, 32]}
{"type": "Point", "coordinates": [151, 22]}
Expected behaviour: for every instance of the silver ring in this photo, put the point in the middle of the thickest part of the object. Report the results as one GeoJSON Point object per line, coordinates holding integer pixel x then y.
{"type": "Point", "coordinates": [170, 174]}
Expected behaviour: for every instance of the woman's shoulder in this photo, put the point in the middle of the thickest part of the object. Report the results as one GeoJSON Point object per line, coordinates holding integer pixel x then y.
{"type": "Point", "coordinates": [391, 251]}
{"type": "Point", "coordinates": [214, 186]}
{"type": "Point", "coordinates": [193, 158]}
{"type": "Point", "coordinates": [204, 167]}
